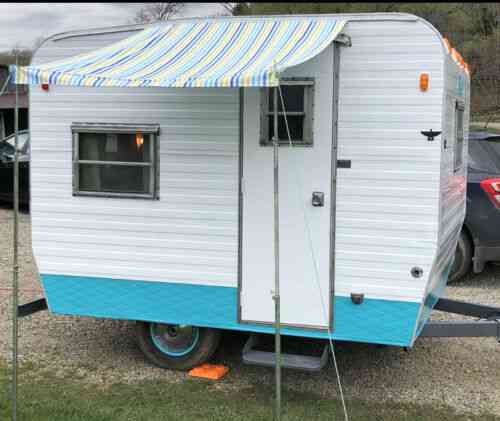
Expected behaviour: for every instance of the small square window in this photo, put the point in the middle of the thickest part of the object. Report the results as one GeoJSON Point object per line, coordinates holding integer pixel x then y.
{"type": "Point", "coordinates": [459, 137]}
{"type": "Point", "coordinates": [298, 97]}
{"type": "Point", "coordinates": [115, 160]}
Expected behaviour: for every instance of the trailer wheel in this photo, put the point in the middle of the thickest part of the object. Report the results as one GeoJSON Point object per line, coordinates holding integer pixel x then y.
{"type": "Point", "coordinates": [178, 347]}
{"type": "Point", "coordinates": [463, 258]}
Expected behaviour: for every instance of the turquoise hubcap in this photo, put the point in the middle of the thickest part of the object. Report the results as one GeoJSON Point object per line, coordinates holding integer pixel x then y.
{"type": "Point", "coordinates": [174, 340]}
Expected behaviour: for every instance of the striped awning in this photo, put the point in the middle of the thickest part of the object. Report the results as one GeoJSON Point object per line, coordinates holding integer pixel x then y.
{"type": "Point", "coordinates": [206, 53]}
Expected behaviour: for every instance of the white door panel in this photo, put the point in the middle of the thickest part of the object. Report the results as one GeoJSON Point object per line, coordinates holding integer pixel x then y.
{"type": "Point", "coordinates": [303, 170]}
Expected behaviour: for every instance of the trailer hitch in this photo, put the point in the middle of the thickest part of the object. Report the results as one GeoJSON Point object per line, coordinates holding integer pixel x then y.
{"type": "Point", "coordinates": [487, 325]}
{"type": "Point", "coordinates": [467, 309]}
{"type": "Point", "coordinates": [33, 307]}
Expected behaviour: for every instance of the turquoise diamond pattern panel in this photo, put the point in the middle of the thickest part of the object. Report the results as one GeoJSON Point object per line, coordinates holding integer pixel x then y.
{"type": "Point", "coordinates": [140, 300]}
{"type": "Point", "coordinates": [373, 321]}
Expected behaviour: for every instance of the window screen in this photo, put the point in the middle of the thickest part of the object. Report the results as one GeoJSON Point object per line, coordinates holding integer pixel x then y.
{"type": "Point", "coordinates": [115, 161]}
{"type": "Point", "coordinates": [298, 97]}
{"type": "Point", "coordinates": [459, 136]}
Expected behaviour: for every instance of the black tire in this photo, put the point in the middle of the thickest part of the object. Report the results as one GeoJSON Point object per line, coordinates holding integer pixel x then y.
{"type": "Point", "coordinates": [198, 352]}
{"type": "Point", "coordinates": [463, 258]}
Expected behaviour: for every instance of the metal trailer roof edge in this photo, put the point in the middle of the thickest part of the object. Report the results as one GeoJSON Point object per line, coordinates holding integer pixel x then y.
{"type": "Point", "coordinates": [395, 16]}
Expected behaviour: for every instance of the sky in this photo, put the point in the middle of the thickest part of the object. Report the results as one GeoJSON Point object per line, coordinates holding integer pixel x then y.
{"type": "Point", "coordinates": [21, 24]}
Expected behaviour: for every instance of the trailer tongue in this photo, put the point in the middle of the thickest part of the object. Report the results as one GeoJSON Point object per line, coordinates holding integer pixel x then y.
{"type": "Point", "coordinates": [488, 324]}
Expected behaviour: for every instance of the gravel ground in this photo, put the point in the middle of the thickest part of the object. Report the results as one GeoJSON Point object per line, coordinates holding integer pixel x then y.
{"type": "Point", "coordinates": [463, 373]}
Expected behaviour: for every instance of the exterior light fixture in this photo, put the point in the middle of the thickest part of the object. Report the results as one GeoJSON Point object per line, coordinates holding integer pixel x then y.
{"type": "Point", "coordinates": [139, 140]}
{"type": "Point", "coordinates": [424, 82]}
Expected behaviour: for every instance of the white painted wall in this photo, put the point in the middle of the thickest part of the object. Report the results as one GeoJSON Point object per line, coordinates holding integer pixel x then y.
{"type": "Point", "coordinates": [387, 217]}
{"type": "Point", "coordinates": [453, 181]}
{"type": "Point", "coordinates": [190, 234]}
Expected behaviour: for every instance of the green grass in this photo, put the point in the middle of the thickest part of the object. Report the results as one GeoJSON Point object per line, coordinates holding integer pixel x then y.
{"type": "Point", "coordinates": [69, 400]}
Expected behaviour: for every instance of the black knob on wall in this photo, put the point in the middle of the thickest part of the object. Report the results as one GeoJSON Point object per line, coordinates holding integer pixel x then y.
{"type": "Point", "coordinates": [357, 298]}
{"type": "Point", "coordinates": [318, 198]}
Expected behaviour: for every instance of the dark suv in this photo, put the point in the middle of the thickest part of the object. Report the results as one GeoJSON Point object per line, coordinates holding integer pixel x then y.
{"type": "Point", "coordinates": [479, 240]}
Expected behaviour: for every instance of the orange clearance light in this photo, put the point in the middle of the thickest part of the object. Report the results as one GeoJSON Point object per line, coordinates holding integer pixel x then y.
{"type": "Point", "coordinates": [448, 45]}
{"type": "Point", "coordinates": [45, 86]}
{"type": "Point", "coordinates": [424, 82]}
{"type": "Point", "coordinates": [139, 140]}
{"type": "Point", "coordinates": [460, 59]}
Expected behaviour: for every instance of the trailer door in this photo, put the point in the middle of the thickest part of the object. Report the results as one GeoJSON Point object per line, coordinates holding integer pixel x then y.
{"type": "Point", "coordinates": [305, 184]}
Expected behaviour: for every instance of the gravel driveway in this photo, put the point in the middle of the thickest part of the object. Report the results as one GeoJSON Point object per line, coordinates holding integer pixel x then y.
{"type": "Point", "coordinates": [463, 373]}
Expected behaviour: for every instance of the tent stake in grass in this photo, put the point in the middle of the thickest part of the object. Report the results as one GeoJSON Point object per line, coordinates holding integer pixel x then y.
{"type": "Point", "coordinates": [15, 266]}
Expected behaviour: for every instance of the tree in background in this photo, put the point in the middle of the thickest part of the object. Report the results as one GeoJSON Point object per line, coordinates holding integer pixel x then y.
{"type": "Point", "coordinates": [155, 12]}
{"type": "Point", "coordinates": [236, 8]}
{"type": "Point", "coordinates": [9, 57]}
{"type": "Point", "coordinates": [472, 28]}
{"type": "Point", "coordinates": [25, 53]}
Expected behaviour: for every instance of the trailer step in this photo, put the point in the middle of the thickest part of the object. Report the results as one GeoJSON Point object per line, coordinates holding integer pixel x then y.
{"type": "Point", "coordinates": [252, 356]}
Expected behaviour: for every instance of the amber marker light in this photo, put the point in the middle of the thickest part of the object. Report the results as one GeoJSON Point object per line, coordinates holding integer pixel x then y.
{"type": "Point", "coordinates": [424, 82]}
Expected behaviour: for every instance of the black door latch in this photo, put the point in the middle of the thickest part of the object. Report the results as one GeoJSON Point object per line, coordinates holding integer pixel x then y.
{"type": "Point", "coordinates": [318, 198]}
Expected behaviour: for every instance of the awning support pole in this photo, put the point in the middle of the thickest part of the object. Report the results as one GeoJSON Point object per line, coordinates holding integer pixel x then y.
{"type": "Point", "coordinates": [15, 265]}
{"type": "Point", "coordinates": [276, 293]}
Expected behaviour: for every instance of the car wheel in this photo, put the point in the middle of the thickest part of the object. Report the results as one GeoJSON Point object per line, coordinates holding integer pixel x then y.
{"type": "Point", "coordinates": [463, 258]}
{"type": "Point", "coordinates": [178, 347]}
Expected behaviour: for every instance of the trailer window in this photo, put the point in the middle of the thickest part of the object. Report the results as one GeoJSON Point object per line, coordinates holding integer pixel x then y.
{"type": "Point", "coordinates": [459, 136]}
{"type": "Point", "coordinates": [115, 160]}
{"type": "Point", "coordinates": [298, 97]}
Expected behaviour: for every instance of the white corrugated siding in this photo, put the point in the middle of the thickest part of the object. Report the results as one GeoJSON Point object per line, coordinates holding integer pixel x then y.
{"type": "Point", "coordinates": [388, 201]}
{"type": "Point", "coordinates": [453, 183]}
{"type": "Point", "coordinates": [453, 199]}
{"type": "Point", "coordinates": [190, 234]}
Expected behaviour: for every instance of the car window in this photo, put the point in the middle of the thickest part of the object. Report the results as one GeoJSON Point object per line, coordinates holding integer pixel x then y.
{"type": "Point", "coordinates": [484, 156]}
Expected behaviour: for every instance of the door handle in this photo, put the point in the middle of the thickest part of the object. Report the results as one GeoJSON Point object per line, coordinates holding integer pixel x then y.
{"type": "Point", "coordinates": [318, 199]}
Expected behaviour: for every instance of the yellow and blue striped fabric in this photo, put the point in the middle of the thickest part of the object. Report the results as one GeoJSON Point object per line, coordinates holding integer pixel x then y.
{"type": "Point", "coordinates": [206, 53]}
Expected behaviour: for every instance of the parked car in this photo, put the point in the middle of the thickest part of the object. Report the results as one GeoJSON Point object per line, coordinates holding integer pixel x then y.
{"type": "Point", "coordinates": [480, 236]}
{"type": "Point", "coordinates": [6, 167]}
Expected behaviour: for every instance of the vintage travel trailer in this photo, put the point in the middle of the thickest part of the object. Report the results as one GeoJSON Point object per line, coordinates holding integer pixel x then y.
{"type": "Point", "coordinates": [152, 176]}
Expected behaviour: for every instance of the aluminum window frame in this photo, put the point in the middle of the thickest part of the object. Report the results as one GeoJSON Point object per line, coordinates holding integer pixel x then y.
{"type": "Point", "coordinates": [153, 130]}
{"type": "Point", "coordinates": [458, 146]}
{"type": "Point", "coordinates": [308, 113]}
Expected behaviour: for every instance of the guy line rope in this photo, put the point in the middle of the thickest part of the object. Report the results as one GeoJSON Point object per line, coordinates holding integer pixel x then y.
{"type": "Point", "coordinates": [315, 264]}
